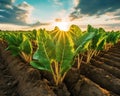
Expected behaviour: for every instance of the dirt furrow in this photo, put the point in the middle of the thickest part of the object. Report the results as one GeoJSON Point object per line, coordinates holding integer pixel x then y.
{"type": "Point", "coordinates": [101, 77]}
{"type": "Point", "coordinates": [114, 58]}
{"type": "Point", "coordinates": [114, 51]}
{"type": "Point", "coordinates": [29, 80]}
{"type": "Point", "coordinates": [114, 54]}
{"type": "Point", "coordinates": [113, 70]}
{"type": "Point", "coordinates": [108, 61]}
{"type": "Point", "coordinates": [8, 85]}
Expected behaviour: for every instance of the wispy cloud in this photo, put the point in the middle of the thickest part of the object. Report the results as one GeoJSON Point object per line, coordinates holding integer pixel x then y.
{"type": "Point", "coordinates": [76, 2]}
{"type": "Point", "coordinates": [7, 1]}
{"type": "Point", "coordinates": [17, 14]}
{"type": "Point", "coordinates": [13, 27]}
{"type": "Point", "coordinates": [94, 7]}
{"type": "Point", "coordinates": [57, 2]}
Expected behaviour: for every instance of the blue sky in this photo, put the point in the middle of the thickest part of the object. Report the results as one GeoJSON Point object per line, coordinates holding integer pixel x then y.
{"type": "Point", "coordinates": [46, 10]}
{"type": "Point", "coordinates": [35, 13]}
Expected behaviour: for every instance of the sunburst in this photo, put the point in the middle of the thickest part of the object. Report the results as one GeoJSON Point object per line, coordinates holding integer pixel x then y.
{"type": "Point", "coordinates": [64, 26]}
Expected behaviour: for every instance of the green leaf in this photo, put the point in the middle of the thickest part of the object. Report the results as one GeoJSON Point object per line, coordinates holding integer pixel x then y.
{"type": "Point", "coordinates": [11, 39]}
{"type": "Point", "coordinates": [75, 32]}
{"type": "Point", "coordinates": [97, 41]}
{"type": "Point", "coordinates": [14, 50]}
{"type": "Point", "coordinates": [91, 29]}
{"type": "Point", "coordinates": [26, 47]}
{"type": "Point", "coordinates": [84, 41]}
{"type": "Point", "coordinates": [45, 51]}
{"type": "Point", "coordinates": [101, 45]}
{"type": "Point", "coordinates": [113, 37]}
{"type": "Point", "coordinates": [64, 52]}
{"type": "Point", "coordinates": [38, 65]}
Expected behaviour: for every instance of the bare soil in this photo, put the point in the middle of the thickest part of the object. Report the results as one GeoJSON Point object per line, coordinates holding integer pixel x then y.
{"type": "Point", "coordinates": [99, 78]}
{"type": "Point", "coordinates": [8, 84]}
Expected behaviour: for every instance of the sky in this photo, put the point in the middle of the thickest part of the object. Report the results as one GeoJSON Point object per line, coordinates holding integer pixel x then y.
{"type": "Point", "coordinates": [30, 14]}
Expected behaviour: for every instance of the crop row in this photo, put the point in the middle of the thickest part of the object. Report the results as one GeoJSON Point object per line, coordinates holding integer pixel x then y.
{"type": "Point", "coordinates": [57, 51]}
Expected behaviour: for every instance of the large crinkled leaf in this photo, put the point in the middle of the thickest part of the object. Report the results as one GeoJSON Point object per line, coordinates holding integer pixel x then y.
{"type": "Point", "coordinates": [55, 33]}
{"type": "Point", "coordinates": [35, 34]}
{"type": "Point", "coordinates": [112, 37]}
{"type": "Point", "coordinates": [101, 45]}
{"type": "Point", "coordinates": [38, 65]}
{"type": "Point", "coordinates": [64, 52]}
{"type": "Point", "coordinates": [101, 37]}
{"type": "Point", "coordinates": [101, 42]}
{"type": "Point", "coordinates": [26, 47]}
{"type": "Point", "coordinates": [14, 50]}
{"type": "Point", "coordinates": [75, 32]}
{"type": "Point", "coordinates": [20, 38]}
{"type": "Point", "coordinates": [45, 52]}
{"type": "Point", "coordinates": [11, 39]}
{"type": "Point", "coordinates": [83, 41]}
{"type": "Point", "coordinates": [98, 40]}
{"type": "Point", "coordinates": [14, 39]}
{"type": "Point", "coordinates": [91, 29]}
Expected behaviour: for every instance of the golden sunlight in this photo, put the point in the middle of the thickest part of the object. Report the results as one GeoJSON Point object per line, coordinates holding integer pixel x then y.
{"type": "Point", "coordinates": [64, 26]}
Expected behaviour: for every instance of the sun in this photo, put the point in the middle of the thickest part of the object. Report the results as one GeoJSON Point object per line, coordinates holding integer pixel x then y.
{"type": "Point", "coordinates": [64, 26]}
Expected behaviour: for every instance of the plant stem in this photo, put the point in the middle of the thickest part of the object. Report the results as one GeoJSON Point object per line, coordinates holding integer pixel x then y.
{"type": "Point", "coordinates": [90, 54]}
{"type": "Point", "coordinates": [79, 60]}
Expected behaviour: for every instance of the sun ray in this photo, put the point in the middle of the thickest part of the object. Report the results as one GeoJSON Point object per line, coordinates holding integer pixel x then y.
{"type": "Point", "coordinates": [64, 26]}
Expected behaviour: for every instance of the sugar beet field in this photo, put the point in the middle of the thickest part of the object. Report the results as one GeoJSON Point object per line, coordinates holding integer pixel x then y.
{"type": "Point", "coordinates": [60, 63]}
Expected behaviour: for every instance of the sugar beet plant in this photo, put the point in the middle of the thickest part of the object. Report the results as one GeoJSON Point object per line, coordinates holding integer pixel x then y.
{"type": "Point", "coordinates": [100, 41]}
{"type": "Point", "coordinates": [55, 58]}
{"type": "Point", "coordinates": [97, 43]}
{"type": "Point", "coordinates": [112, 39]}
{"type": "Point", "coordinates": [57, 50]}
{"type": "Point", "coordinates": [20, 45]}
{"type": "Point", "coordinates": [56, 53]}
{"type": "Point", "coordinates": [79, 37]}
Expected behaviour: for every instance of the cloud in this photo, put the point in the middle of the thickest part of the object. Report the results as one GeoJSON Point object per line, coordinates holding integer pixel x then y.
{"type": "Point", "coordinates": [58, 20]}
{"type": "Point", "coordinates": [12, 27]}
{"type": "Point", "coordinates": [117, 18]}
{"type": "Point", "coordinates": [10, 13]}
{"type": "Point", "coordinates": [7, 1]}
{"type": "Point", "coordinates": [76, 2]}
{"type": "Point", "coordinates": [37, 24]}
{"type": "Point", "coordinates": [94, 7]}
{"type": "Point", "coordinates": [62, 15]}
{"type": "Point", "coordinates": [57, 2]}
